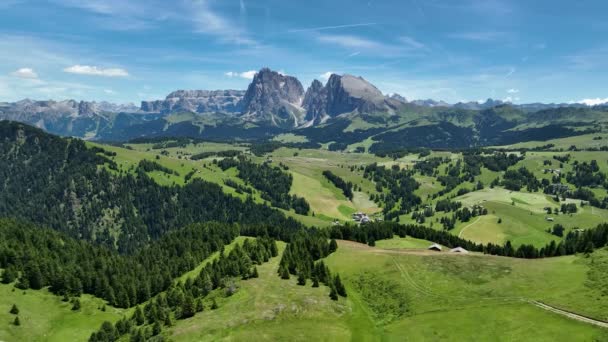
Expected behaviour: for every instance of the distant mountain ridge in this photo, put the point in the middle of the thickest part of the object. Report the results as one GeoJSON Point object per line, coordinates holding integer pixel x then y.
{"type": "Point", "coordinates": [345, 109]}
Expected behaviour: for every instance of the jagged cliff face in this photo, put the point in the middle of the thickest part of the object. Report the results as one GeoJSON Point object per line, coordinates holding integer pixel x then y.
{"type": "Point", "coordinates": [274, 99]}
{"type": "Point", "coordinates": [315, 102]}
{"type": "Point", "coordinates": [345, 94]}
{"type": "Point", "coordinates": [197, 101]}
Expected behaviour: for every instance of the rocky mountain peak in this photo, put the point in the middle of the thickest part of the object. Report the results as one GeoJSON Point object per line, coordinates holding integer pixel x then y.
{"type": "Point", "coordinates": [315, 102]}
{"type": "Point", "coordinates": [274, 98]}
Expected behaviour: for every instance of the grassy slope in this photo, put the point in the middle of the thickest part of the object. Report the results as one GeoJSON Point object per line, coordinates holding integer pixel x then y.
{"type": "Point", "coordinates": [456, 297]}
{"type": "Point", "coordinates": [44, 317]}
{"type": "Point", "coordinates": [325, 199]}
{"type": "Point", "coordinates": [270, 309]}
{"type": "Point", "coordinates": [446, 297]}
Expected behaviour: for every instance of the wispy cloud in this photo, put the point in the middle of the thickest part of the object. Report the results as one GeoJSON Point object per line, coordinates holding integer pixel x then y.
{"type": "Point", "coordinates": [513, 91]}
{"type": "Point", "coordinates": [25, 73]}
{"type": "Point", "coordinates": [589, 59]}
{"type": "Point", "coordinates": [335, 27]}
{"type": "Point", "coordinates": [412, 43]}
{"type": "Point", "coordinates": [246, 74]}
{"type": "Point", "coordinates": [209, 22]}
{"type": "Point", "coordinates": [356, 53]}
{"type": "Point", "coordinates": [349, 41]}
{"type": "Point", "coordinates": [480, 36]}
{"type": "Point", "coordinates": [96, 71]}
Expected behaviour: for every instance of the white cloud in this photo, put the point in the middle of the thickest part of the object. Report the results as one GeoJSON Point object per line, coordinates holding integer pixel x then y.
{"type": "Point", "coordinates": [246, 74]}
{"type": "Point", "coordinates": [412, 43]}
{"type": "Point", "coordinates": [109, 91]}
{"type": "Point", "coordinates": [356, 53]}
{"type": "Point", "coordinates": [594, 102]}
{"type": "Point", "coordinates": [325, 76]}
{"type": "Point", "coordinates": [350, 41]}
{"type": "Point", "coordinates": [95, 71]}
{"type": "Point", "coordinates": [209, 22]}
{"type": "Point", "coordinates": [510, 99]}
{"type": "Point", "coordinates": [322, 28]}
{"type": "Point", "coordinates": [513, 91]}
{"type": "Point", "coordinates": [481, 36]}
{"type": "Point", "coordinates": [25, 73]}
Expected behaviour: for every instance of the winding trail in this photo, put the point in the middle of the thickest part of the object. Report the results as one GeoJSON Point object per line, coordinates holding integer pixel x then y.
{"type": "Point", "coordinates": [570, 314]}
{"type": "Point", "coordinates": [470, 224]}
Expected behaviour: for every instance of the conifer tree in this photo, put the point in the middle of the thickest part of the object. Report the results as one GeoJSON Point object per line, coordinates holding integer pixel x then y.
{"type": "Point", "coordinates": [139, 316]}
{"type": "Point", "coordinates": [301, 279]}
{"type": "Point", "coordinates": [333, 294]}
{"type": "Point", "coordinates": [340, 289]}
{"type": "Point", "coordinates": [17, 322]}
{"type": "Point", "coordinates": [14, 310]}
{"type": "Point", "coordinates": [156, 328]}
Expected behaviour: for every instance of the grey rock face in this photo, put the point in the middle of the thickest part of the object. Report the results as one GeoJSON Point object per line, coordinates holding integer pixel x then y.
{"type": "Point", "coordinates": [344, 94]}
{"type": "Point", "coordinates": [197, 101]}
{"type": "Point", "coordinates": [275, 99]}
{"type": "Point", "coordinates": [315, 102]}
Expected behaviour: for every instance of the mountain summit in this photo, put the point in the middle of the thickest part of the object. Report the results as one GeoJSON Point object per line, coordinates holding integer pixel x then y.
{"type": "Point", "coordinates": [275, 99]}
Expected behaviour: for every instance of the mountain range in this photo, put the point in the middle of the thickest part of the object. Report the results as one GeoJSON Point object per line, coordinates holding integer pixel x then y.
{"type": "Point", "coordinates": [346, 109]}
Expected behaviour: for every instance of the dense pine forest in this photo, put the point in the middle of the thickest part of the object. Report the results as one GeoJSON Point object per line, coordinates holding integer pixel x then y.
{"type": "Point", "coordinates": [60, 183]}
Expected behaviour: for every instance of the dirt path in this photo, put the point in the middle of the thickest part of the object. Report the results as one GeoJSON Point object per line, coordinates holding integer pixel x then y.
{"type": "Point", "coordinates": [570, 314]}
{"type": "Point", "coordinates": [460, 234]}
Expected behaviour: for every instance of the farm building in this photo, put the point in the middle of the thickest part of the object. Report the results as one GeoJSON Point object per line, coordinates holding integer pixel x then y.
{"type": "Point", "coordinates": [435, 247]}
{"type": "Point", "coordinates": [550, 219]}
{"type": "Point", "coordinates": [459, 250]}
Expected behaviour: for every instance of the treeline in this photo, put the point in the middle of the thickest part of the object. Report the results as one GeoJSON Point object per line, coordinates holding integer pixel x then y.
{"type": "Point", "coordinates": [38, 258]}
{"type": "Point", "coordinates": [149, 166]}
{"type": "Point", "coordinates": [223, 154]}
{"type": "Point", "coordinates": [271, 181]}
{"type": "Point", "coordinates": [575, 241]}
{"type": "Point", "coordinates": [261, 148]}
{"type": "Point", "coordinates": [185, 299]}
{"type": "Point", "coordinates": [346, 187]}
{"type": "Point", "coordinates": [60, 183]}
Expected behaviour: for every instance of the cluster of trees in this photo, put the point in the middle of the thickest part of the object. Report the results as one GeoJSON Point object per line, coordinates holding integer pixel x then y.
{"type": "Point", "coordinates": [421, 215]}
{"type": "Point", "coordinates": [271, 181]}
{"type": "Point", "coordinates": [568, 208]}
{"type": "Point", "coordinates": [185, 299]}
{"type": "Point", "coordinates": [224, 154]}
{"type": "Point", "coordinates": [146, 165]}
{"type": "Point", "coordinates": [240, 189]}
{"type": "Point", "coordinates": [346, 187]}
{"type": "Point", "coordinates": [429, 166]}
{"type": "Point", "coordinates": [300, 259]}
{"type": "Point", "coordinates": [60, 183]}
{"type": "Point", "coordinates": [587, 174]}
{"type": "Point", "coordinates": [447, 205]}
{"type": "Point", "coordinates": [400, 198]}
{"type": "Point", "coordinates": [497, 161]}
{"type": "Point", "coordinates": [514, 180]}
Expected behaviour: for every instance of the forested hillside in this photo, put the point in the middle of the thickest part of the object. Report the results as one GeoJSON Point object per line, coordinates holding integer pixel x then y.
{"type": "Point", "coordinates": [59, 183]}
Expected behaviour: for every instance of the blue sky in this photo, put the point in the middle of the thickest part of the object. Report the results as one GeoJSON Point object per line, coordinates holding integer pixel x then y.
{"type": "Point", "coordinates": [452, 50]}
